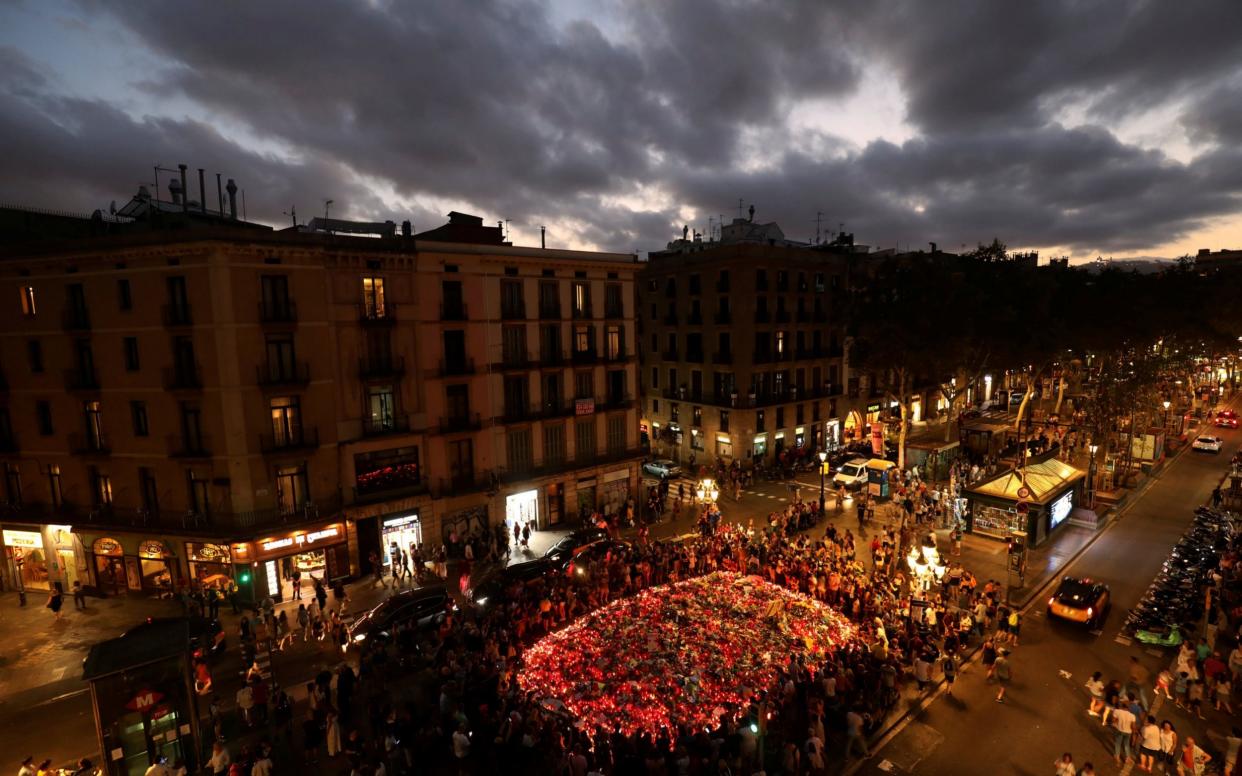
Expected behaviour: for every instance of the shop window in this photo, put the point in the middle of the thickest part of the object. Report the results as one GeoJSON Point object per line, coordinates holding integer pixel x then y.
{"type": "Point", "coordinates": [724, 449]}
{"type": "Point", "coordinates": [696, 439]}
{"type": "Point", "coordinates": [156, 565]}
{"type": "Point", "coordinates": [292, 489]}
{"type": "Point", "coordinates": [28, 301]}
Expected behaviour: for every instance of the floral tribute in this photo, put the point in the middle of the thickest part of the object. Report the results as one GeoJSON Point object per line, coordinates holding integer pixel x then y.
{"type": "Point", "coordinates": [679, 654]}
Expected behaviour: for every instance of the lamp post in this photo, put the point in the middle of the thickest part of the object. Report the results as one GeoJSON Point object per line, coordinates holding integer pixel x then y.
{"type": "Point", "coordinates": [1091, 476]}
{"type": "Point", "coordinates": [1166, 414]}
{"type": "Point", "coordinates": [823, 458]}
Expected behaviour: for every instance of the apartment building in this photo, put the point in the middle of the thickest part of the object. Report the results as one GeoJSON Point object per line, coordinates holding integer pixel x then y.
{"type": "Point", "coordinates": [190, 397]}
{"type": "Point", "coordinates": [745, 347]}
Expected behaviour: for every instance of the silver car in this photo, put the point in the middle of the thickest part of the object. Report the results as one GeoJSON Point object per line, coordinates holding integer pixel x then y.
{"type": "Point", "coordinates": [662, 467]}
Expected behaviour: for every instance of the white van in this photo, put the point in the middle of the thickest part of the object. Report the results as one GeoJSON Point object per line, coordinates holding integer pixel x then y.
{"type": "Point", "coordinates": [852, 474]}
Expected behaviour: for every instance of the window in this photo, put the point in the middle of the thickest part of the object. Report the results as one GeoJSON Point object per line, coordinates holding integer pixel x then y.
{"type": "Point", "coordinates": [513, 341]}
{"type": "Point", "coordinates": [43, 417]}
{"type": "Point", "coordinates": [455, 350]}
{"type": "Point", "coordinates": [584, 385]}
{"type": "Point", "coordinates": [75, 303]}
{"type": "Point", "coordinates": [674, 411]}
{"type": "Point", "coordinates": [53, 486]}
{"type": "Point", "coordinates": [517, 396]}
{"type": "Point", "coordinates": [178, 301]}
{"type": "Point", "coordinates": [549, 299]}
{"type": "Point", "coordinates": [148, 490]}
{"type": "Point", "coordinates": [196, 491]}
{"type": "Point", "coordinates": [554, 444]}
{"type": "Point", "coordinates": [28, 301]}
{"type": "Point", "coordinates": [124, 300]}
{"type": "Point", "coordinates": [550, 343]}
{"type": "Point", "coordinates": [584, 439]}
{"type": "Point", "coordinates": [819, 281]}
{"type": "Point", "coordinates": [131, 354]}
{"type": "Point", "coordinates": [381, 408]}
{"type": "Point", "coordinates": [582, 299]}
{"type": "Point", "coordinates": [461, 463]}
{"type": "Point", "coordinates": [672, 378]}
{"type": "Point", "coordinates": [584, 339]}
{"type": "Point", "coordinates": [138, 414]}
{"type": "Point", "coordinates": [760, 424]}
{"type": "Point", "coordinates": [276, 303]}
{"type": "Point", "coordinates": [614, 342]}
{"type": "Point", "coordinates": [192, 427]}
{"type": "Point", "coordinates": [696, 416]}
{"type": "Point", "coordinates": [6, 427]}
{"type": "Point", "coordinates": [458, 400]}
{"type": "Point", "coordinates": [518, 449]}
{"type": "Point", "coordinates": [512, 303]}
{"type": "Point", "coordinates": [13, 483]}
{"type": "Point", "coordinates": [292, 490]}
{"type": "Point", "coordinates": [101, 488]}
{"type": "Point", "coordinates": [286, 421]}
{"type": "Point", "coordinates": [616, 386]}
{"type": "Point", "coordinates": [782, 339]}
{"type": "Point", "coordinates": [616, 434]}
{"type": "Point", "coordinates": [655, 378]}
{"type": "Point", "coordinates": [373, 305]}
{"type": "Point", "coordinates": [722, 282]}
{"type": "Point", "coordinates": [780, 417]}
{"type": "Point", "coordinates": [799, 414]}
{"type": "Point", "coordinates": [695, 284]}
{"type": "Point", "coordinates": [94, 425]}
{"type": "Point", "coordinates": [724, 420]}
{"type": "Point", "coordinates": [761, 280]}
{"type": "Point", "coordinates": [613, 308]}
{"type": "Point", "coordinates": [34, 351]}
{"type": "Point", "coordinates": [655, 406]}
{"type": "Point", "coordinates": [281, 359]}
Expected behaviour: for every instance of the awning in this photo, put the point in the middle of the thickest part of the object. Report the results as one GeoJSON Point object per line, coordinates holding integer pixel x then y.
{"type": "Point", "coordinates": [1044, 480]}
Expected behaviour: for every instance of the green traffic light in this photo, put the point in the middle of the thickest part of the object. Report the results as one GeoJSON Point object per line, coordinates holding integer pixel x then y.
{"type": "Point", "coordinates": [245, 577]}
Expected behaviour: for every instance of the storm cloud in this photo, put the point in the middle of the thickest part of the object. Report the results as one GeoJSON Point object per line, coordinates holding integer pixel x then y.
{"type": "Point", "coordinates": [617, 122]}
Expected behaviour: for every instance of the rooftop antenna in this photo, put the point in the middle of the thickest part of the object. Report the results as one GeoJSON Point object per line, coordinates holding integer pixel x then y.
{"type": "Point", "coordinates": [244, 204]}
{"type": "Point", "coordinates": [739, 208]}
{"type": "Point", "coordinates": [292, 212]}
{"type": "Point", "coordinates": [327, 205]}
{"type": "Point", "coordinates": [506, 232]}
{"type": "Point", "coordinates": [722, 227]}
{"type": "Point", "coordinates": [220, 195]}
{"type": "Point", "coordinates": [819, 214]}
{"type": "Point", "coordinates": [711, 230]}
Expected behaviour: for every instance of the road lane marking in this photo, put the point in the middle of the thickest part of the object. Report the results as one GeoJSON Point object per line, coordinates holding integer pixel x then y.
{"type": "Point", "coordinates": [1124, 641]}
{"type": "Point", "coordinates": [1154, 652]}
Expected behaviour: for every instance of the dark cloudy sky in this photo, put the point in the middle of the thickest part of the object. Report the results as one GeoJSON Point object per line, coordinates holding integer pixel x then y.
{"type": "Point", "coordinates": [1075, 127]}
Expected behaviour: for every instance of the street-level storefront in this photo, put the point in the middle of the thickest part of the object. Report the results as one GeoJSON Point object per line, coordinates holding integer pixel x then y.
{"type": "Point", "coordinates": [321, 552]}
{"type": "Point", "coordinates": [157, 567]}
{"type": "Point", "coordinates": [39, 556]}
{"type": "Point", "coordinates": [522, 508]}
{"type": "Point", "coordinates": [614, 491]}
{"type": "Point", "coordinates": [1036, 499]}
{"type": "Point", "coordinates": [211, 564]}
{"type": "Point", "coordinates": [402, 532]}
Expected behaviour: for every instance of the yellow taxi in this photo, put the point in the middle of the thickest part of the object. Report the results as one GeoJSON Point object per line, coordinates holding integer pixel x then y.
{"type": "Point", "coordinates": [1080, 600]}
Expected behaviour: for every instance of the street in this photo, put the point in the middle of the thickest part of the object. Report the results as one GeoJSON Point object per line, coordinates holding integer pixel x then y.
{"type": "Point", "coordinates": [1044, 714]}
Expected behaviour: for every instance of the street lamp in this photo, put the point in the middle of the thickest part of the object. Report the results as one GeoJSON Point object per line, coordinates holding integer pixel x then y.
{"type": "Point", "coordinates": [823, 458]}
{"type": "Point", "coordinates": [707, 491]}
{"type": "Point", "coordinates": [1166, 414]}
{"type": "Point", "coordinates": [1092, 448]}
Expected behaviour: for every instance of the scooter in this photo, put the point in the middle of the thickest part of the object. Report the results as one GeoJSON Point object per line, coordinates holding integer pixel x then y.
{"type": "Point", "coordinates": [1166, 636]}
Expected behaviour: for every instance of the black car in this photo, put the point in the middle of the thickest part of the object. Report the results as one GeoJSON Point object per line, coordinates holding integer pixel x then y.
{"type": "Point", "coordinates": [424, 606]}
{"type": "Point", "coordinates": [579, 568]}
{"type": "Point", "coordinates": [561, 553]}
{"type": "Point", "coordinates": [491, 587]}
{"type": "Point", "coordinates": [204, 631]}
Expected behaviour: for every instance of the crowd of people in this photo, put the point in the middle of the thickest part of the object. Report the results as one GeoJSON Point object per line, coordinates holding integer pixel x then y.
{"type": "Point", "coordinates": [447, 700]}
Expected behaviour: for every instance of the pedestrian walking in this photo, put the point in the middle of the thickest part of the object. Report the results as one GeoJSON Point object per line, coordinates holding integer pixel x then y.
{"type": "Point", "coordinates": [296, 579]}
{"type": "Point", "coordinates": [1149, 744]}
{"type": "Point", "coordinates": [54, 601]}
{"type": "Point", "coordinates": [1123, 731]}
{"type": "Point", "coordinates": [79, 595]}
{"type": "Point", "coordinates": [950, 672]}
{"type": "Point", "coordinates": [1095, 688]}
{"type": "Point", "coordinates": [854, 724]}
{"type": "Point", "coordinates": [1003, 673]}
{"type": "Point", "coordinates": [1168, 744]}
{"type": "Point", "coordinates": [1064, 766]}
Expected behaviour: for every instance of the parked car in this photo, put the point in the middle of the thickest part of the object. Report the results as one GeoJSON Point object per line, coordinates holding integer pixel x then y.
{"type": "Point", "coordinates": [422, 606]}
{"type": "Point", "coordinates": [852, 474]}
{"type": "Point", "coordinates": [563, 551]}
{"type": "Point", "coordinates": [580, 567]}
{"type": "Point", "coordinates": [1208, 444]}
{"type": "Point", "coordinates": [492, 587]}
{"type": "Point", "coordinates": [662, 467]}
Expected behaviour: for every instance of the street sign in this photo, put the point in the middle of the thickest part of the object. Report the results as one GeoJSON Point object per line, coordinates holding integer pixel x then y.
{"type": "Point", "coordinates": [144, 700]}
{"type": "Point", "coordinates": [1024, 492]}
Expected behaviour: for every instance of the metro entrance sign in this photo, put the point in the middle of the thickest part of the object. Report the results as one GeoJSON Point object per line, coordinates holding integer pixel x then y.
{"type": "Point", "coordinates": [144, 700]}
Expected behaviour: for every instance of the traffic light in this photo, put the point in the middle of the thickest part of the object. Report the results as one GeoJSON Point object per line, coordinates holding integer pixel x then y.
{"type": "Point", "coordinates": [244, 578]}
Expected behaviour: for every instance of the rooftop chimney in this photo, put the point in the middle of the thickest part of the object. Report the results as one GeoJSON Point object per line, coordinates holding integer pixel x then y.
{"type": "Point", "coordinates": [752, 213]}
{"type": "Point", "coordinates": [185, 201]}
{"type": "Point", "coordinates": [407, 228]}
{"type": "Point", "coordinates": [202, 192]}
{"type": "Point", "coordinates": [543, 233]}
{"type": "Point", "coordinates": [231, 188]}
{"type": "Point", "coordinates": [175, 190]}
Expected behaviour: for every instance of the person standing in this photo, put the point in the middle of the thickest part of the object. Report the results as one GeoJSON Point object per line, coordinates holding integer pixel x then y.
{"type": "Point", "coordinates": [1149, 744]}
{"type": "Point", "coordinates": [1064, 766]}
{"type": "Point", "coordinates": [296, 580]}
{"type": "Point", "coordinates": [54, 601]}
{"type": "Point", "coordinates": [220, 758]}
{"type": "Point", "coordinates": [1123, 730]}
{"type": "Point", "coordinates": [950, 672]}
{"type": "Point", "coordinates": [1192, 760]}
{"type": "Point", "coordinates": [79, 595]}
{"type": "Point", "coordinates": [1003, 673]}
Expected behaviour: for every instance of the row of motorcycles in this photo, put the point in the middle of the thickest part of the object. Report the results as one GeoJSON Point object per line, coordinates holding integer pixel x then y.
{"type": "Point", "coordinates": [1175, 599]}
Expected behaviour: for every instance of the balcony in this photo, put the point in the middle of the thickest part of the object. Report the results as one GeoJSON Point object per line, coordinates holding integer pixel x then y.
{"type": "Point", "coordinates": [82, 379]}
{"type": "Point", "coordinates": [89, 444]}
{"type": "Point", "coordinates": [456, 366]}
{"type": "Point", "coordinates": [384, 367]}
{"type": "Point", "coordinates": [276, 375]}
{"type": "Point", "coordinates": [670, 318]}
{"type": "Point", "coordinates": [549, 359]}
{"type": "Point", "coordinates": [453, 311]}
{"type": "Point", "coordinates": [394, 481]}
{"type": "Point", "coordinates": [723, 317]}
{"type": "Point", "coordinates": [582, 313]}
{"type": "Point", "coordinates": [585, 356]}
{"type": "Point", "coordinates": [186, 377]}
{"type": "Point", "coordinates": [763, 316]}
{"type": "Point", "coordinates": [782, 316]}
{"type": "Point", "coordinates": [617, 357]}
{"type": "Point", "coordinates": [183, 447]}
{"type": "Point", "coordinates": [392, 424]}
{"type": "Point", "coordinates": [513, 312]}
{"type": "Point", "coordinates": [550, 312]}
{"type": "Point", "coordinates": [75, 319]}
{"type": "Point", "coordinates": [372, 314]}
{"type": "Point", "coordinates": [722, 357]}
{"type": "Point", "coordinates": [613, 311]}
{"type": "Point", "coordinates": [695, 318]}
{"type": "Point", "coordinates": [511, 362]}
{"type": "Point", "coordinates": [453, 424]}
{"type": "Point", "coordinates": [177, 314]}
{"type": "Point", "coordinates": [302, 438]}
{"type": "Point", "coordinates": [251, 521]}
{"type": "Point", "coordinates": [520, 413]}
{"type": "Point", "coordinates": [694, 356]}
{"type": "Point", "coordinates": [670, 354]}
{"type": "Point", "coordinates": [278, 311]}
{"type": "Point", "coordinates": [619, 401]}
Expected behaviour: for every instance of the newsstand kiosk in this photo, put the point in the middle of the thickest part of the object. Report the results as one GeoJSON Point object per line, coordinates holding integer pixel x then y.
{"type": "Point", "coordinates": [142, 691]}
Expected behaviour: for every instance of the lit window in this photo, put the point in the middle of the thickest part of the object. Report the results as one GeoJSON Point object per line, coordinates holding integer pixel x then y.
{"type": "Point", "coordinates": [373, 297]}
{"type": "Point", "coordinates": [28, 301]}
